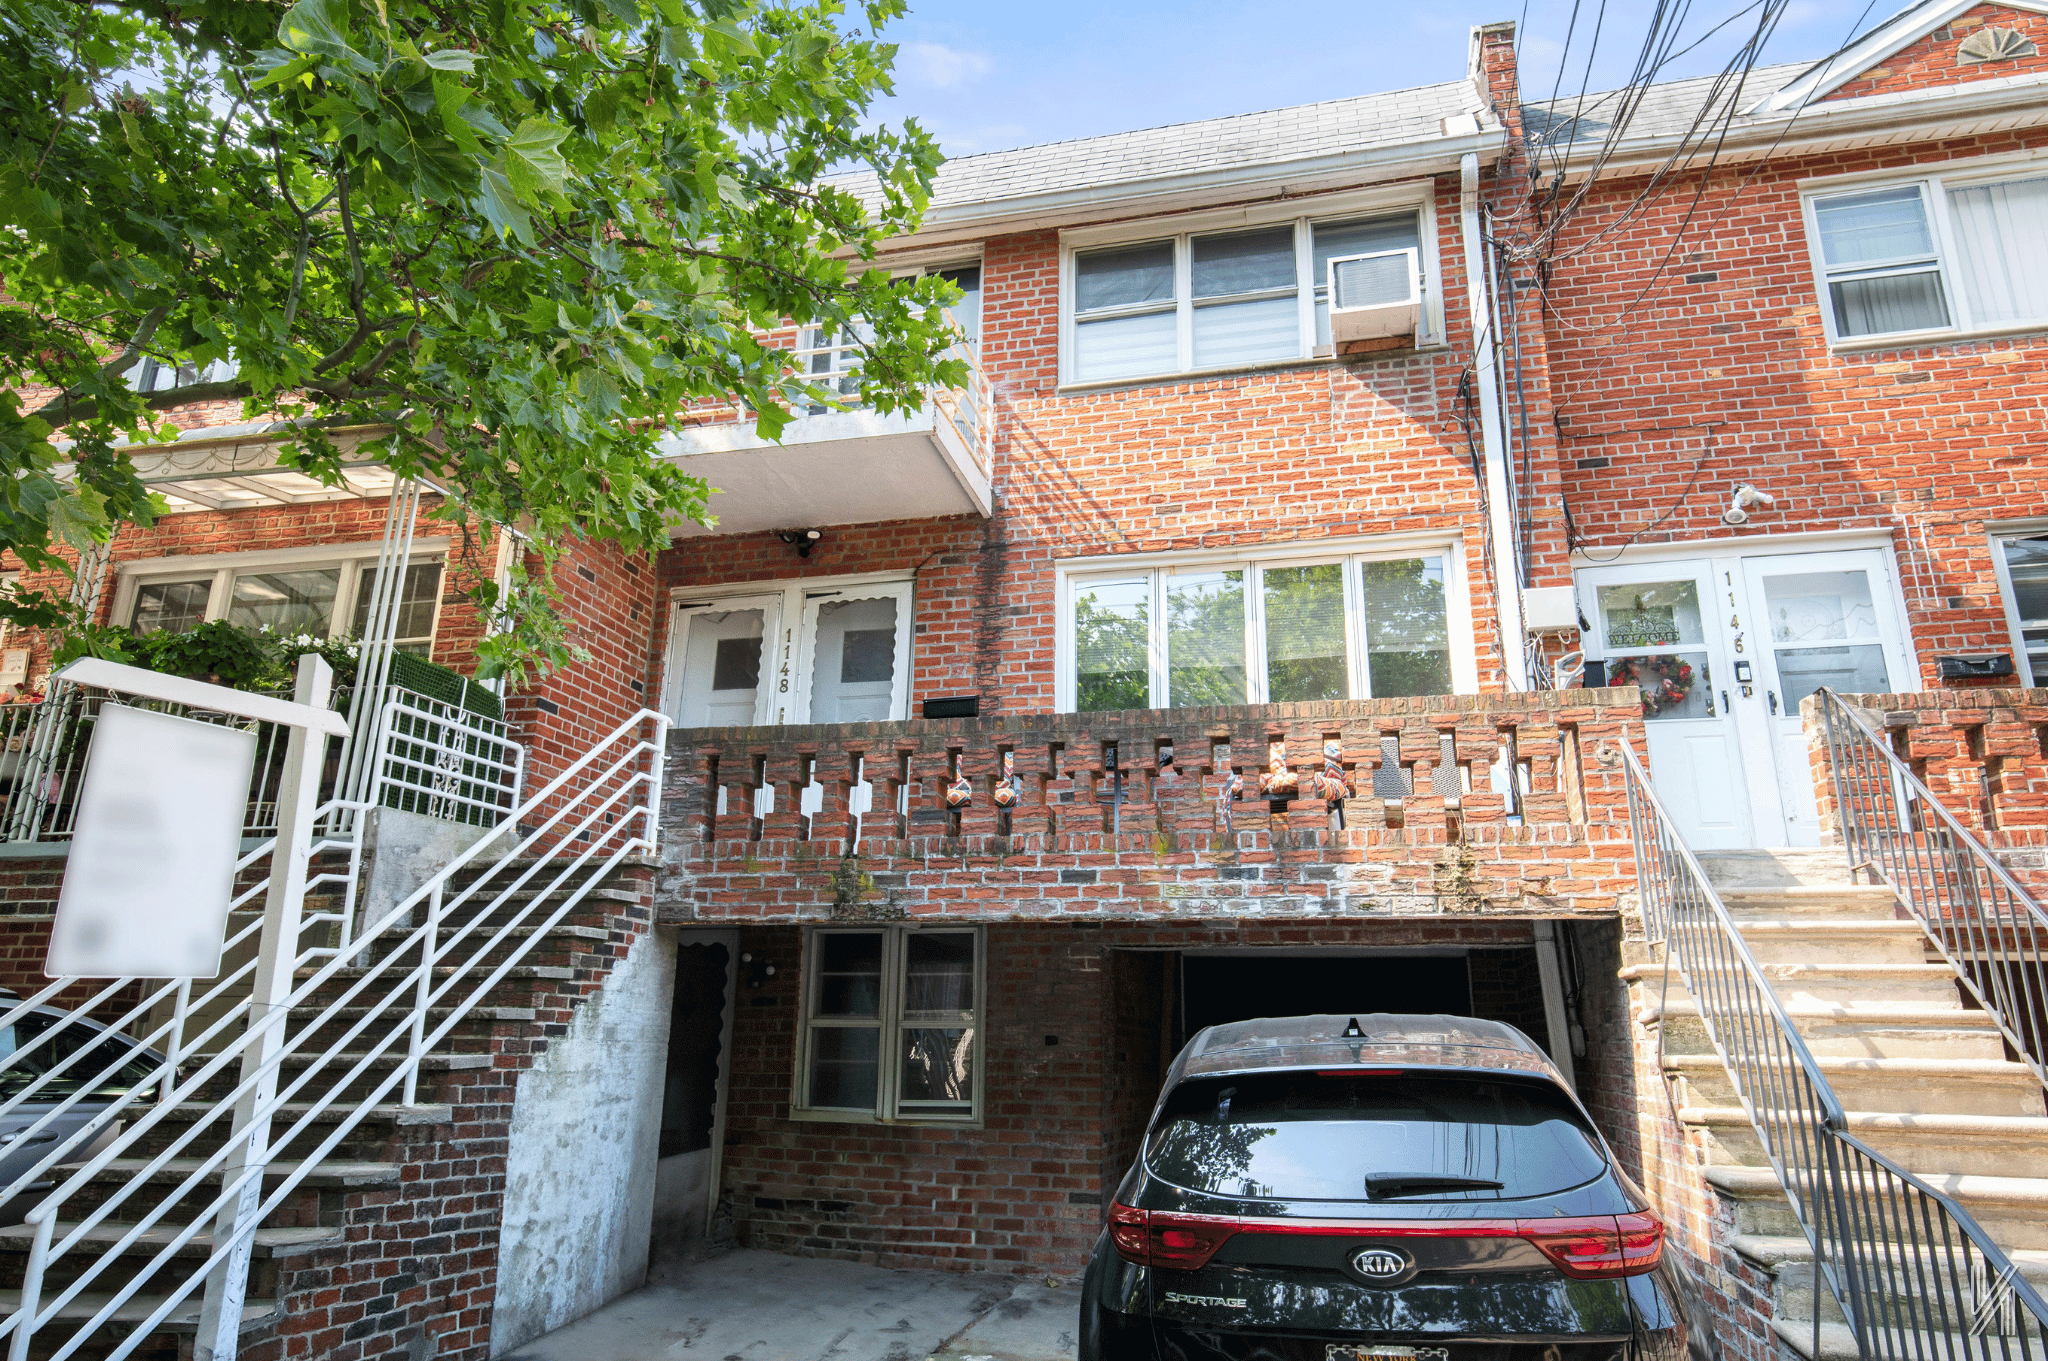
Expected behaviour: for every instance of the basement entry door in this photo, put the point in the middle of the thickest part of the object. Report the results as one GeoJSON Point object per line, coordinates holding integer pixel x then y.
{"type": "Point", "coordinates": [1724, 649]}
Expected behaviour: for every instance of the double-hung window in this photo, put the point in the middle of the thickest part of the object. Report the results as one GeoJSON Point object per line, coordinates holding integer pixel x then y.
{"type": "Point", "coordinates": [1200, 301]}
{"type": "Point", "coordinates": [1174, 634]}
{"type": "Point", "coordinates": [1956, 253]}
{"type": "Point", "coordinates": [2021, 557]}
{"type": "Point", "coordinates": [327, 596]}
{"type": "Point", "coordinates": [891, 1025]}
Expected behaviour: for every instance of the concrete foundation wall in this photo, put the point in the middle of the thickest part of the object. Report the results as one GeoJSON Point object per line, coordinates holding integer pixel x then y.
{"type": "Point", "coordinates": [580, 1165]}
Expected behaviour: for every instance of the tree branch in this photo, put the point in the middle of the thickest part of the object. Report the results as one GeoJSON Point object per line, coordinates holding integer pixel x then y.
{"type": "Point", "coordinates": [73, 400]}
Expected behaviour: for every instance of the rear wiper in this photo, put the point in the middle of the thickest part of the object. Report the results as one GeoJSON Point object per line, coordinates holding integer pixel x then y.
{"type": "Point", "coordinates": [1396, 1184]}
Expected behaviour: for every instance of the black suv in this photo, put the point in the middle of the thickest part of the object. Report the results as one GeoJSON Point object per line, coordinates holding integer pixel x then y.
{"type": "Point", "coordinates": [1331, 1188]}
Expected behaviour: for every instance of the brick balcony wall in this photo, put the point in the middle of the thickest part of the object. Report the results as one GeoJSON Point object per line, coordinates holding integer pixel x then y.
{"type": "Point", "coordinates": [1067, 850]}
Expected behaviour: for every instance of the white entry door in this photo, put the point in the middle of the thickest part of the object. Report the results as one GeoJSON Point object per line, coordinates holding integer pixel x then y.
{"type": "Point", "coordinates": [1725, 648]}
{"type": "Point", "coordinates": [719, 652]}
{"type": "Point", "coordinates": [855, 657]}
{"type": "Point", "coordinates": [1656, 625]}
{"type": "Point", "coordinates": [807, 652]}
{"type": "Point", "coordinates": [1823, 619]}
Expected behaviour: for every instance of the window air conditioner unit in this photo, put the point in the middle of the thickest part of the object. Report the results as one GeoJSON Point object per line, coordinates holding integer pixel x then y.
{"type": "Point", "coordinates": [1375, 295]}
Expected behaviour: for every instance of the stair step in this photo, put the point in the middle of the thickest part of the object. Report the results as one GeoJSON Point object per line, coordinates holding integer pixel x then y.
{"type": "Point", "coordinates": [2013, 1210]}
{"type": "Point", "coordinates": [183, 1318]}
{"type": "Point", "coordinates": [1878, 898]}
{"type": "Point", "coordinates": [1961, 1086]}
{"type": "Point", "coordinates": [1838, 1342]}
{"type": "Point", "coordinates": [331, 1175]}
{"type": "Point", "coordinates": [394, 1112]}
{"type": "Point", "coordinates": [1989, 1126]}
{"type": "Point", "coordinates": [548, 972]}
{"type": "Point", "coordinates": [1882, 1013]}
{"type": "Point", "coordinates": [269, 1242]}
{"type": "Point", "coordinates": [443, 1063]}
{"type": "Point", "coordinates": [1780, 865]}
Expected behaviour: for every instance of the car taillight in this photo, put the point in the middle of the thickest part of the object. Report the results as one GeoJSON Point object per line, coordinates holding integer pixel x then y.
{"type": "Point", "coordinates": [1162, 1238]}
{"type": "Point", "coordinates": [1601, 1247]}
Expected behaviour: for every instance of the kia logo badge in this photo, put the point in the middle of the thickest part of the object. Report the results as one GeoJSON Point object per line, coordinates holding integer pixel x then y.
{"type": "Point", "coordinates": [1381, 1265]}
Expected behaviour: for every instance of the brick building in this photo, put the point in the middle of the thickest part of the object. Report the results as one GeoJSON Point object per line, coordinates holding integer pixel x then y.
{"type": "Point", "coordinates": [1226, 648]}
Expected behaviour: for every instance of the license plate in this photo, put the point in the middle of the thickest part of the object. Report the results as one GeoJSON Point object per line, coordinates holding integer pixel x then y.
{"type": "Point", "coordinates": [1377, 1352]}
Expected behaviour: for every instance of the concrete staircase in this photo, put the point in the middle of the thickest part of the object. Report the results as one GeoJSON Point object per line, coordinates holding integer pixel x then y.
{"type": "Point", "coordinates": [1925, 1079]}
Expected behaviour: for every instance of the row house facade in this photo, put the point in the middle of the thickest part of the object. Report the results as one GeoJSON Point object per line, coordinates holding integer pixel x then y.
{"type": "Point", "coordinates": [1225, 648]}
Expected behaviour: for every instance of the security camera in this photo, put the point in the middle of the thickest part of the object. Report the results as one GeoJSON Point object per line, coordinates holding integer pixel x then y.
{"type": "Point", "coordinates": [1744, 499]}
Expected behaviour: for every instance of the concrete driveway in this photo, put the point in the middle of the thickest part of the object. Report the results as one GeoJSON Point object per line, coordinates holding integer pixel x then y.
{"type": "Point", "coordinates": [760, 1306]}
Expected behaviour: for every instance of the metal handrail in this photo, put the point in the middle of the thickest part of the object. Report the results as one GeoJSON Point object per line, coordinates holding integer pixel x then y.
{"type": "Point", "coordinates": [411, 977]}
{"type": "Point", "coordinates": [1914, 1272]}
{"type": "Point", "coordinates": [1985, 923]}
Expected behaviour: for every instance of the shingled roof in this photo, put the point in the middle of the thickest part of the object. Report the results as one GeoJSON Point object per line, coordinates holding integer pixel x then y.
{"type": "Point", "coordinates": [1301, 135]}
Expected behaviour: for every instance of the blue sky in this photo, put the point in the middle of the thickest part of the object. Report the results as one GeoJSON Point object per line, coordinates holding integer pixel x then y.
{"type": "Point", "coordinates": [985, 74]}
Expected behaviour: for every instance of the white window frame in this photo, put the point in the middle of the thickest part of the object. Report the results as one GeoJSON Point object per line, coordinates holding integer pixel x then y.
{"type": "Point", "coordinates": [220, 569]}
{"type": "Point", "coordinates": [891, 1023]}
{"type": "Point", "coordinates": [1418, 196]}
{"type": "Point", "coordinates": [1997, 533]}
{"type": "Point", "coordinates": [812, 339]}
{"type": "Point", "coordinates": [1934, 183]}
{"type": "Point", "coordinates": [1076, 572]}
{"type": "Point", "coordinates": [786, 659]}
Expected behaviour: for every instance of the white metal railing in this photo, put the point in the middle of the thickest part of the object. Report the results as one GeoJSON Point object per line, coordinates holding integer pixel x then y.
{"type": "Point", "coordinates": [43, 749]}
{"type": "Point", "coordinates": [442, 761]}
{"type": "Point", "coordinates": [832, 361]}
{"type": "Point", "coordinates": [431, 757]}
{"type": "Point", "coordinates": [190, 1150]}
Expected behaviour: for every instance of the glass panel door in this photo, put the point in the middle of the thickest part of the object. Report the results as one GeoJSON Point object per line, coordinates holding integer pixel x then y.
{"type": "Point", "coordinates": [857, 662]}
{"type": "Point", "coordinates": [718, 657]}
{"type": "Point", "coordinates": [1655, 627]}
{"type": "Point", "coordinates": [1825, 619]}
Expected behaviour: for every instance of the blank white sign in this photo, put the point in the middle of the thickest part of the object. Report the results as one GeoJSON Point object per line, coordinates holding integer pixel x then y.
{"type": "Point", "coordinates": [152, 861]}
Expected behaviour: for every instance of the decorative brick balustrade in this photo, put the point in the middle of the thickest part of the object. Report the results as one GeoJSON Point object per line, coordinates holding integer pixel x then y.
{"type": "Point", "coordinates": [1460, 804]}
{"type": "Point", "coordinates": [1983, 753]}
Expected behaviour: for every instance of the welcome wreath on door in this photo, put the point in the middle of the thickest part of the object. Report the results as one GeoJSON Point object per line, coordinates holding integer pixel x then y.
{"type": "Point", "coordinates": [1665, 680]}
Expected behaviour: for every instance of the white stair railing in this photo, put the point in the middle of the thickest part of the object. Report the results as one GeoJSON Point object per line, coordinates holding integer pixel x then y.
{"type": "Point", "coordinates": [112, 1246]}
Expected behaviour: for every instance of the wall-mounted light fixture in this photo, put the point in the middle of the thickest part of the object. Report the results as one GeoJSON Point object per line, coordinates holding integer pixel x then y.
{"type": "Point", "coordinates": [759, 971]}
{"type": "Point", "coordinates": [1744, 499]}
{"type": "Point", "coordinates": [804, 539]}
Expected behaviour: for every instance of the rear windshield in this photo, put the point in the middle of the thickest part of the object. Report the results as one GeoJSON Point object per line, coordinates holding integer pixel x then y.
{"type": "Point", "coordinates": [1398, 1139]}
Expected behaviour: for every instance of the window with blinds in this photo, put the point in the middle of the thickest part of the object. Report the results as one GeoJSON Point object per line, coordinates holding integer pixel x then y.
{"type": "Point", "coordinates": [1174, 635]}
{"type": "Point", "coordinates": [1950, 254]}
{"type": "Point", "coordinates": [1215, 300]}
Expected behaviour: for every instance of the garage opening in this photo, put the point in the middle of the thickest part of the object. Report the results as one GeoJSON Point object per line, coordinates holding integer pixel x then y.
{"type": "Point", "coordinates": [1159, 999]}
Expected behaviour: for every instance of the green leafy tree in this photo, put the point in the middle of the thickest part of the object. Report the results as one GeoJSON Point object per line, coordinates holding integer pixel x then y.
{"type": "Point", "coordinates": [511, 235]}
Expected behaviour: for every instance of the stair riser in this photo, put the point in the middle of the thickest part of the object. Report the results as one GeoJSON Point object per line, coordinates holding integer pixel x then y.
{"type": "Point", "coordinates": [1875, 947]}
{"type": "Point", "coordinates": [1825, 991]}
{"type": "Point", "coordinates": [1904, 1093]}
{"type": "Point", "coordinates": [1793, 1299]}
{"type": "Point", "coordinates": [2011, 1226]}
{"type": "Point", "coordinates": [1854, 1038]}
{"type": "Point", "coordinates": [1982, 1155]}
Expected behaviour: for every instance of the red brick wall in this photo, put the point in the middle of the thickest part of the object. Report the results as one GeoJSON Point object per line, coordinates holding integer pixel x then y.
{"type": "Point", "coordinates": [1023, 1193]}
{"type": "Point", "coordinates": [1312, 451]}
{"type": "Point", "coordinates": [1931, 61]}
{"type": "Point", "coordinates": [1721, 373]}
{"type": "Point", "coordinates": [609, 599]}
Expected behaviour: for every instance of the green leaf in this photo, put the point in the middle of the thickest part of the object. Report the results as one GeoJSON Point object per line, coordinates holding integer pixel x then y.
{"type": "Point", "coordinates": [310, 28]}
{"type": "Point", "coordinates": [451, 59]}
{"type": "Point", "coordinates": [770, 421]}
{"type": "Point", "coordinates": [601, 108]}
{"type": "Point", "coordinates": [533, 159]}
{"type": "Point", "coordinates": [501, 207]}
